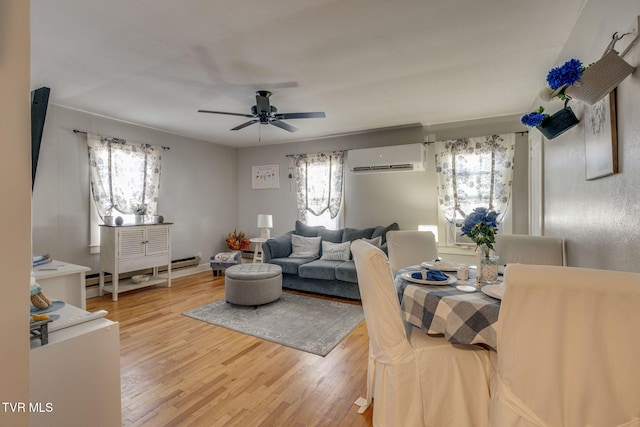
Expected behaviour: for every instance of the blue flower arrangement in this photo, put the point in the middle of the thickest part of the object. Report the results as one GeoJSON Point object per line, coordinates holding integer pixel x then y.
{"type": "Point", "coordinates": [566, 75]}
{"type": "Point", "coordinates": [535, 118]}
{"type": "Point", "coordinates": [481, 226]}
{"type": "Point", "coordinates": [558, 79]}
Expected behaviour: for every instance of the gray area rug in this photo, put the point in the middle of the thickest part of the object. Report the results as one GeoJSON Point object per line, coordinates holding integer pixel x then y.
{"type": "Point", "coordinates": [309, 324]}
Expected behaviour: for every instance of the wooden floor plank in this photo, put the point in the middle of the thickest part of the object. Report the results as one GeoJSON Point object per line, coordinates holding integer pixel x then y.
{"type": "Point", "coordinates": [178, 371]}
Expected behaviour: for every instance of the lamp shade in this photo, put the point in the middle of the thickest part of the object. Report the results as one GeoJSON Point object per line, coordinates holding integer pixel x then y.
{"type": "Point", "coordinates": [265, 221]}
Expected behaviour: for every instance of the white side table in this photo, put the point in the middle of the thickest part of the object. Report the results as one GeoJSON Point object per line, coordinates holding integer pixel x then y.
{"type": "Point", "coordinates": [63, 281]}
{"type": "Point", "coordinates": [257, 252]}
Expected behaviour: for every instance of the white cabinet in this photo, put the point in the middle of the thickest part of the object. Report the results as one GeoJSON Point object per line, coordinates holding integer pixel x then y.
{"type": "Point", "coordinates": [75, 378]}
{"type": "Point", "coordinates": [134, 247]}
{"type": "Point", "coordinates": [63, 281]}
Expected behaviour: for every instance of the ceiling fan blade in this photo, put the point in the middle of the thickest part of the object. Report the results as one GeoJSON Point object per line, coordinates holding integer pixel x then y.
{"type": "Point", "coordinates": [283, 125]}
{"type": "Point", "coordinates": [287, 116]}
{"type": "Point", "coordinates": [245, 124]}
{"type": "Point", "coordinates": [224, 112]}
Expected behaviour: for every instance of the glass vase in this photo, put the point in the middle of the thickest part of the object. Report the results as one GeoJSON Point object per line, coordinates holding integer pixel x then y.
{"type": "Point", "coordinates": [488, 269]}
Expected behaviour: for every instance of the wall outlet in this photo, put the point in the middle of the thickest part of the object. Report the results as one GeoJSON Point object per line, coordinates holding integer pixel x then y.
{"type": "Point", "coordinates": [199, 255]}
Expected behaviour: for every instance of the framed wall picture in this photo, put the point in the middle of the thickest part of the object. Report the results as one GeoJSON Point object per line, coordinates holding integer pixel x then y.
{"type": "Point", "coordinates": [264, 177]}
{"type": "Point", "coordinates": [601, 138]}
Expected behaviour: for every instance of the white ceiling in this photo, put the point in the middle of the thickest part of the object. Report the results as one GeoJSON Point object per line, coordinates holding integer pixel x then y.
{"type": "Point", "coordinates": [367, 63]}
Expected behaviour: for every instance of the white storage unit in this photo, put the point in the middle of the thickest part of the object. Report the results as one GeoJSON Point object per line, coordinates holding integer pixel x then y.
{"type": "Point", "coordinates": [75, 378]}
{"type": "Point", "coordinates": [63, 281]}
{"type": "Point", "coordinates": [134, 247]}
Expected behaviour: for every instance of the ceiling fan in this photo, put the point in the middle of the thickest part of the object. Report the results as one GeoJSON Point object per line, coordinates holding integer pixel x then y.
{"type": "Point", "coordinates": [267, 114]}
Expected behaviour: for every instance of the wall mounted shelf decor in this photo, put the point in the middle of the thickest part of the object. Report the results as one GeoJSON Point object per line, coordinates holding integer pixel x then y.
{"type": "Point", "coordinates": [600, 79]}
{"type": "Point", "coordinates": [558, 123]}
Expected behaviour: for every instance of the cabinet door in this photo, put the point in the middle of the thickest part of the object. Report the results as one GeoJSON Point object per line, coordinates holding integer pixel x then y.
{"type": "Point", "coordinates": [131, 242]}
{"type": "Point", "coordinates": [157, 240]}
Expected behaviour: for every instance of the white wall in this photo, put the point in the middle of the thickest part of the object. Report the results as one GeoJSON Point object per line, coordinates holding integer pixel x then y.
{"type": "Point", "coordinates": [197, 188]}
{"type": "Point", "coordinates": [598, 218]}
{"type": "Point", "coordinates": [15, 191]}
{"type": "Point", "coordinates": [408, 198]}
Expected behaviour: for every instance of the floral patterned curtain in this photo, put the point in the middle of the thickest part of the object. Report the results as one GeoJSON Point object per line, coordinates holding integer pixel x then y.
{"type": "Point", "coordinates": [319, 182]}
{"type": "Point", "coordinates": [474, 172]}
{"type": "Point", "coordinates": [123, 175]}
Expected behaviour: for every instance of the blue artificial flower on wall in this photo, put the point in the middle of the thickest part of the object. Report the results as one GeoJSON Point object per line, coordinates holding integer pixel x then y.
{"type": "Point", "coordinates": [566, 75]}
{"type": "Point", "coordinates": [535, 118]}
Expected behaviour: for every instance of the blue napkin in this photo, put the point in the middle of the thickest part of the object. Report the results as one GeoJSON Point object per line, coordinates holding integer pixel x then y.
{"type": "Point", "coordinates": [431, 275]}
{"type": "Point", "coordinates": [436, 275]}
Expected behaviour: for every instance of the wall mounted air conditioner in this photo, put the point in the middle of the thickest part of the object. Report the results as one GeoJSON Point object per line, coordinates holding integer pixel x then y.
{"type": "Point", "coordinates": [396, 158]}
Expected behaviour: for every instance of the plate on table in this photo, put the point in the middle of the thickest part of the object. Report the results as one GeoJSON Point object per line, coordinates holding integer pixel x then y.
{"type": "Point", "coordinates": [494, 291]}
{"type": "Point", "coordinates": [441, 265]}
{"type": "Point", "coordinates": [407, 276]}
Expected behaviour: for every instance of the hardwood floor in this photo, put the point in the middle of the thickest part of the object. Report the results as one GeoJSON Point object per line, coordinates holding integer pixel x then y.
{"type": "Point", "coordinates": [178, 371]}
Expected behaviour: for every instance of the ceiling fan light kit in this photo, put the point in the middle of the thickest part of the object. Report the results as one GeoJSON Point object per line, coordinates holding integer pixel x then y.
{"type": "Point", "coordinates": [266, 114]}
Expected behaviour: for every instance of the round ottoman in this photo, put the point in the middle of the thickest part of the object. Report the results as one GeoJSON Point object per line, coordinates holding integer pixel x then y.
{"type": "Point", "coordinates": [252, 284]}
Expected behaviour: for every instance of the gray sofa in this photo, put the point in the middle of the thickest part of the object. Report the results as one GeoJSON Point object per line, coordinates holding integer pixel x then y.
{"type": "Point", "coordinates": [314, 274]}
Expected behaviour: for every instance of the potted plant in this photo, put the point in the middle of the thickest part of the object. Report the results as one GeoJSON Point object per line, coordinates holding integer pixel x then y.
{"type": "Point", "coordinates": [237, 241]}
{"type": "Point", "coordinates": [554, 125]}
{"type": "Point", "coordinates": [558, 80]}
{"type": "Point", "coordinates": [481, 226]}
{"type": "Point", "coordinates": [140, 210]}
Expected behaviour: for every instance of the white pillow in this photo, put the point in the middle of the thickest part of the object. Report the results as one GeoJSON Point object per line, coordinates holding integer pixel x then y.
{"type": "Point", "coordinates": [336, 251]}
{"type": "Point", "coordinates": [305, 247]}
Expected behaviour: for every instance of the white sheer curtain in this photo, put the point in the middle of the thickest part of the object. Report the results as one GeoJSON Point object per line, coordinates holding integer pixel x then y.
{"type": "Point", "coordinates": [474, 172]}
{"type": "Point", "coordinates": [319, 183]}
{"type": "Point", "coordinates": [123, 176]}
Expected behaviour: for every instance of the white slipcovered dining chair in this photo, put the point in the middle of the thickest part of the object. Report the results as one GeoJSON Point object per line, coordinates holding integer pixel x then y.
{"type": "Point", "coordinates": [525, 249]}
{"type": "Point", "coordinates": [568, 348]}
{"type": "Point", "coordinates": [410, 247]}
{"type": "Point", "coordinates": [415, 379]}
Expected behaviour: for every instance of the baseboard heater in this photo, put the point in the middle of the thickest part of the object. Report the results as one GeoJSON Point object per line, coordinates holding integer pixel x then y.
{"type": "Point", "coordinates": [178, 264]}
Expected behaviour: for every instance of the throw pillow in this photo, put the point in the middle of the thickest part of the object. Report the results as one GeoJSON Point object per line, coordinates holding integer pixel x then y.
{"type": "Point", "coordinates": [336, 251]}
{"type": "Point", "coordinates": [304, 247]}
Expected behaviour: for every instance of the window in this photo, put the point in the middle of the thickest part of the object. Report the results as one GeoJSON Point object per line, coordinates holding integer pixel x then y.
{"type": "Point", "coordinates": [319, 183]}
{"type": "Point", "coordinates": [474, 172]}
{"type": "Point", "coordinates": [123, 176]}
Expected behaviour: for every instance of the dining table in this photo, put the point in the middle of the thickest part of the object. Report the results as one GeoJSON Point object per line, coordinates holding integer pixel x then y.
{"type": "Point", "coordinates": [467, 316]}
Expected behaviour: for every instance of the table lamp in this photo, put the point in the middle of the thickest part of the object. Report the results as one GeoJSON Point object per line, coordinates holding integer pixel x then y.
{"type": "Point", "coordinates": [265, 222]}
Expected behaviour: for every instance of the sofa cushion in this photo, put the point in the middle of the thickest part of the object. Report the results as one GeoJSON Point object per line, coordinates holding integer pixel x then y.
{"type": "Point", "coordinates": [305, 247]}
{"type": "Point", "coordinates": [327, 235]}
{"type": "Point", "coordinates": [319, 269]}
{"type": "Point", "coordinates": [347, 272]}
{"type": "Point", "coordinates": [336, 251]}
{"type": "Point", "coordinates": [305, 230]}
{"type": "Point", "coordinates": [290, 265]}
{"type": "Point", "coordinates": [351, 234]}
{"type": "Point", "coordinates": [280, 246]}
{"type": "Point", "coordinates": [382, 231]}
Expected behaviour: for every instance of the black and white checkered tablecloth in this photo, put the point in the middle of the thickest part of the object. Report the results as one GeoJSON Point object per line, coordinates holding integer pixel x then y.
{"type": "Point", "coordinates": [463, 318]}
